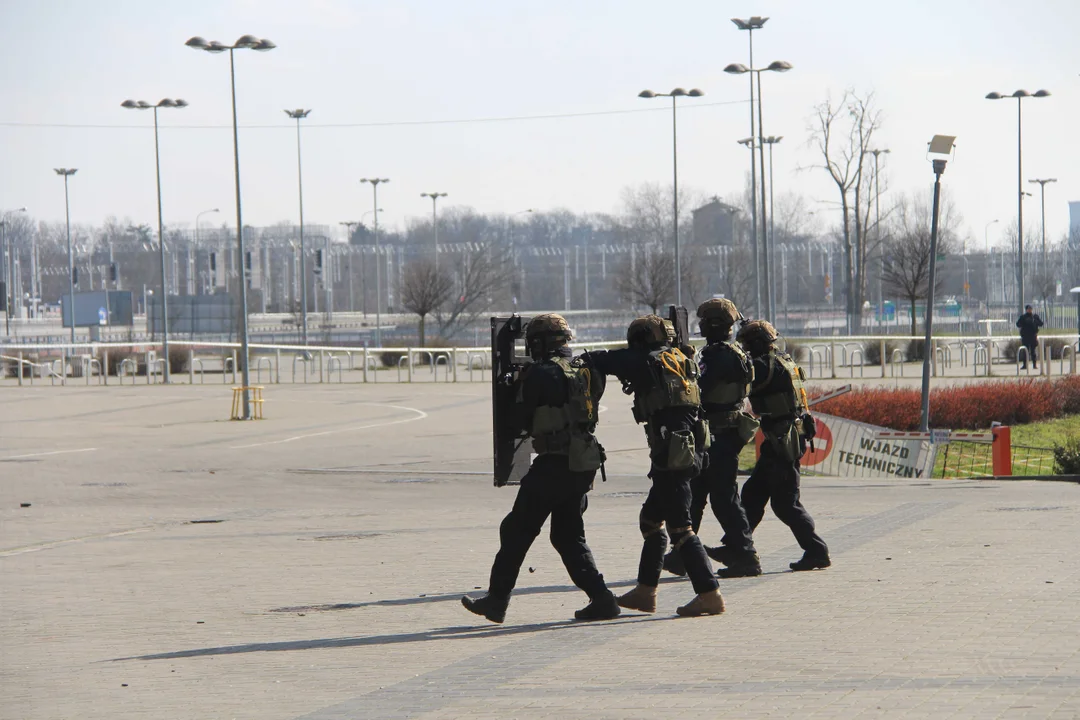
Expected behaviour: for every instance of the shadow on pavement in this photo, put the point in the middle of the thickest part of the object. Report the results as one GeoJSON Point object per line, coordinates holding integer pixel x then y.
{"type": "Point", "coordinates": [450, 633]}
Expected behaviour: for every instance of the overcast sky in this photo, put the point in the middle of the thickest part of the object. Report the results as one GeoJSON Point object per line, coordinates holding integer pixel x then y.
{"type": "Point", "coordinates": [418, 91]}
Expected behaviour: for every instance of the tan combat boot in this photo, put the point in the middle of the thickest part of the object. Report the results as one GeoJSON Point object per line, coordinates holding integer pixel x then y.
{"type": "Point", "coordinates": [707, 603]}
{"type": "Point", "coordinates": [642, 597]}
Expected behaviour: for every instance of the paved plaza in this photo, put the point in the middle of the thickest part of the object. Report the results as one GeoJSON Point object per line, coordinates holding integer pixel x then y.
{"type": "Point", "coordinates": [173, 564]}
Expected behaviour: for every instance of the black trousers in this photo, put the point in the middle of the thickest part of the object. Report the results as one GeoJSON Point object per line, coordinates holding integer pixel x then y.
{"type": "Point", "coordinates": [775, 480]}
{"type": "Point", "coordinates": [548, 488]}
{"type": "Point", "coordinates": [1032, 353]}
{"type": "Point", "coordinates": [668, 504]}
{"type": "Point", "coordinates": [718, 486]}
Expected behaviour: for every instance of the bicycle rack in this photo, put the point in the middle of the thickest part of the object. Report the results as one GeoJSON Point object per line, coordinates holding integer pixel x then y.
{"type": "Point", "coordinates": [134, 370]}
{"type": "Point", "coordinates": [896, 360]}
{"type": "Point", "coordinates": [442, 358]}
{"type": "Point", "coordinates": [331, 360]}
{"type": "Point", "coordinates": [88, 367]}
{"type": "Point", "coordinates": [1027, 358]}
{"type": "Point", "coordinates": [258, 368]}
{"type": "Point", "coordinates": [225, 362]}
{"type": "Point", "coordinates": [981, 351]}
{"type": "Point", "coordinates": [303, 358]}
{"type": "Point", "coordinates": [857, 351]}
{"type": "Point", "coordinates": [402, 359]}
{"type": "Point", "coordinates": [202, 371]}
{"type": "Point", "coordinates": [471, 359]}
{"type": "Point", "coordinates": [1068, 349]}
{"type": "Point", "coordinates": [826, 355]}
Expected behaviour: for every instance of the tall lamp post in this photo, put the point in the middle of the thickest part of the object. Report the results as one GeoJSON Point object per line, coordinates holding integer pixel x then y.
{"type": "Point", "coordinates": [9, 267]}
{"type": "Point", "coordinates": [349, 225]}
{"type": "Point", "coordinates": [750, 25]}
{"type": "Point", "coordinates": [739, 69]}
{"type": "Point", "coordinates": [770, 244]}
{"type": "Point", "coordinates": [68, 172]}
{"type": "Point", "coordinates": [1042, 193]}
{"type": "Point", "coordinates": [378, 273]}
{"type": "Point", "coordinates": [435, 223]}
{"type": "Point", "coordinates": [1019, 95]}
{"type": "Point", "coordinates": [941, 147]}
{"type": "Point", "coordinates": [197, 244]}
{"type": "Point", "coordinates": [751, 145]}
{"type": "Point", "coordinates": [299, 115]}
{"type": "Point", "coordinates": [877, 229]}
{"type": "Point", "coordinates": [143, 105]}
{"type": "Point", "coordinates": [674, 95]}
{"type": "Point", "coordinates": [249, 42]}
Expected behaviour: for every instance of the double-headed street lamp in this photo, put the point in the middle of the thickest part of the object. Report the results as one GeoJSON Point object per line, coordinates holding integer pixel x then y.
{"type": "Point", "coordinates": [675, 94]}
{"type": "Point", "coordinates": [740, 69]}
{"type": "Point", "coordinates": [378, 273]}
{"type": "Point", "coordinates": [1042, 192]}
{"type": "Point", "coordinates": [435, 222]}
{"type": "Point", "coordinates": [249, 42]}
{"type": "Point", "coordinates": [9, 267]}
{"type": "Point", "coordinates": [1019, 95]}
{"type": "Point", "coordinates": [143, 105]}
{"type": "Point", "coordinates": [66, 173]}
{"type": "Point", "coordinates": [299, 115]}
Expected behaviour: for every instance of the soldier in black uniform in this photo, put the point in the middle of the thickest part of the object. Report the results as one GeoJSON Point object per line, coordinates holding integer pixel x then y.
{"type": "Point", "coordinates": [663, 381]}
{"type": "Point", "coordinates": [726, 375]}
{"type": "Point", "coordinates": [779, 399]}
{"type": "Point", "coordinates": [558, 402]}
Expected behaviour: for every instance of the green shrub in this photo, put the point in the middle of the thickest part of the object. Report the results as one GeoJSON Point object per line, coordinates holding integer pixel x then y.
{"type": "Point", "coordinates": [1067, 456]}
{"type": "Point", "coordinates": [872, 351]}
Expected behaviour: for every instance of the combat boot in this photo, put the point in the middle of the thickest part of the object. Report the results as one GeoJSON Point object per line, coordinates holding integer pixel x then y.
{"type": "Point", "coordinates": [743, 565]}
{"type": "Point", "coordinates": [602, 608]}
{"type": "Point", "coordinates": [642, 597]}
{"type": "Point", "coordinates": [719, 553]}
{"type": "Point", "coordinates": [811, 562]}
{"type": "Point", "coordinates": [706, 603]}
{"type": "Point", "coordinates": [673, 564]}
{"type": "Point", "coordinates": [493, 607]}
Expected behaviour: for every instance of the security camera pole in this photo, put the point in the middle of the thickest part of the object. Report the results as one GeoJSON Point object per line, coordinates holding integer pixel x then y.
{"type": "Point", "coordinates": [942, 146]}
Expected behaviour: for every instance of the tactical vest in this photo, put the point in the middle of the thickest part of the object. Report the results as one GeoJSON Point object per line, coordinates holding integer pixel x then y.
{"type": "Point", "coordinates": [788, 398]}
{"type": "Point", "coordinates": [732, 391]}
{"type": "Point", "coordinates": [567, 429]}
{"type": "Point", "coordinates": [674, 384]}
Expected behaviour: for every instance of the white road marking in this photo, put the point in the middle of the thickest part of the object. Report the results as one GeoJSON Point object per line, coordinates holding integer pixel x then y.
{"type": "Point", "coordinates": [420, 415]}
{"type": "Point", "coordinates": [46, 546]}
{"type": "Point", "coordinates": [43, 454]}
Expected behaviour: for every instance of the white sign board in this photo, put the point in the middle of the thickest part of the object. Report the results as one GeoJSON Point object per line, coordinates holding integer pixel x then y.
{"type": "Point", "coordinates": [852, 449]}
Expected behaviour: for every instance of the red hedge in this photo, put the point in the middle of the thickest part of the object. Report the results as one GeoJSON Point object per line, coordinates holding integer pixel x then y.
{"type": "Point", "coordinates": [960, 407]}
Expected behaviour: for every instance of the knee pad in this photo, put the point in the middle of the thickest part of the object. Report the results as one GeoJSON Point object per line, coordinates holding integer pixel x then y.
{"type": "Point", "coordinates": [681, 535]}
{"type": "Point", "coordinates": [648, 527]}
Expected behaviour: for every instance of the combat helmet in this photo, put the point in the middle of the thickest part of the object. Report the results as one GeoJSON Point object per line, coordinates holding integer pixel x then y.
{"type": "Point", "coordinates": [718, 313]}
{"type": "Point", "coordinates": [549, 326]}
{"type": "Point", "coordinates": [650, 330]}
{"type": "Point", "coordinates": [757, 334]}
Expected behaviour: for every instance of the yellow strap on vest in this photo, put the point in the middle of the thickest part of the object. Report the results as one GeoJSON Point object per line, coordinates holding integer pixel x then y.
{"type": "Point", "coordinates": [676, 356]}
{"type": "Point", "coordinates": [587, 374]}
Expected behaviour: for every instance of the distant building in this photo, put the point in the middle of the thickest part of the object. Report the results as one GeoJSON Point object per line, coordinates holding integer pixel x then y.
{"type": "Point", "coordinates": [714, 224]}
{"type": "Point", "coordinates": [1074, 224]}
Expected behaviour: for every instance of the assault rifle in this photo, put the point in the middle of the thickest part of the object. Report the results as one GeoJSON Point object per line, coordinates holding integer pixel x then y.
{"type": "Point", "coordinates": [679, 319]}
{"type": "Point", "coordinates": [512, 446]}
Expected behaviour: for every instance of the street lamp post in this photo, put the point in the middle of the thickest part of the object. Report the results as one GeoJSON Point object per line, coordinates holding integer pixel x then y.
{"type": "Point", "coordinates": [941, 147]}
{"type": "Point", "coordinates": [1042, 193]}
{"type": "Point", "coordinates": [739, 69]}
{"type": "Point", "coordinates": [299, 115]}
{"type": "Point", "coordinates": [750, 145]}
{"type": "Point", "coordinates": [435, 223]}
{"type": "Point", "coordinates": [877, 230]}
{"type": "Point", "coordinates": [197, 244]}
{"type": "Point", "coordinates": [68, 172]}
{"type": "Point", "coordinates": [674, 94]}
{"type": "Point", "coordinates": [750, 25]}
{"type": "Point", "coordinates": [374, 182]}
{"type": "Point", "coordinates": [9, 267]}
{"type": "Point", "coordinates": [770, 245]}
{"type": "Point", "coordinates": [253, 43]}
{"type": "Point", "coordinates": [1019, 95]}
{"type": "Point", "coordinates": [143, 105]}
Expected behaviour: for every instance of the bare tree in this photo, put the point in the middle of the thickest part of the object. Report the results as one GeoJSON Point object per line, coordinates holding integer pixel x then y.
{"type": "Point", "coordinates": [907, 252]}
{"type": "Point", "coordinates": [842, 132]}
{"type": "Point", "coordinates": [424, 290]}
{"type": "Point", "coordinates": [737, 277]}
{"type": "Point", "coordinates": [480, 275]}
{"type": "Point", "coordinates": [646, 277]}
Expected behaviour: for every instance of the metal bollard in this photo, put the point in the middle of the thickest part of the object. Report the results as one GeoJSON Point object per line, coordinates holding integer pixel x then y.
{"type": "Point", "coordinates": [277, 368]}
{"type": "Point", "coordinates": [191, 366]}
{"type": "Point", "coordinates": [19, 370]}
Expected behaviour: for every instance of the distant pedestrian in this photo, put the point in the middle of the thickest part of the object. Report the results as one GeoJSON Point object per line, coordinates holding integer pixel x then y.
{"type": "Point", "coordinates": [1029, 324]}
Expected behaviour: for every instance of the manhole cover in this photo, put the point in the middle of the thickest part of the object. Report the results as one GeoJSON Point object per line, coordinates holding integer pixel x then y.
{"type": "Point", "coordinates": [347, 536]}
